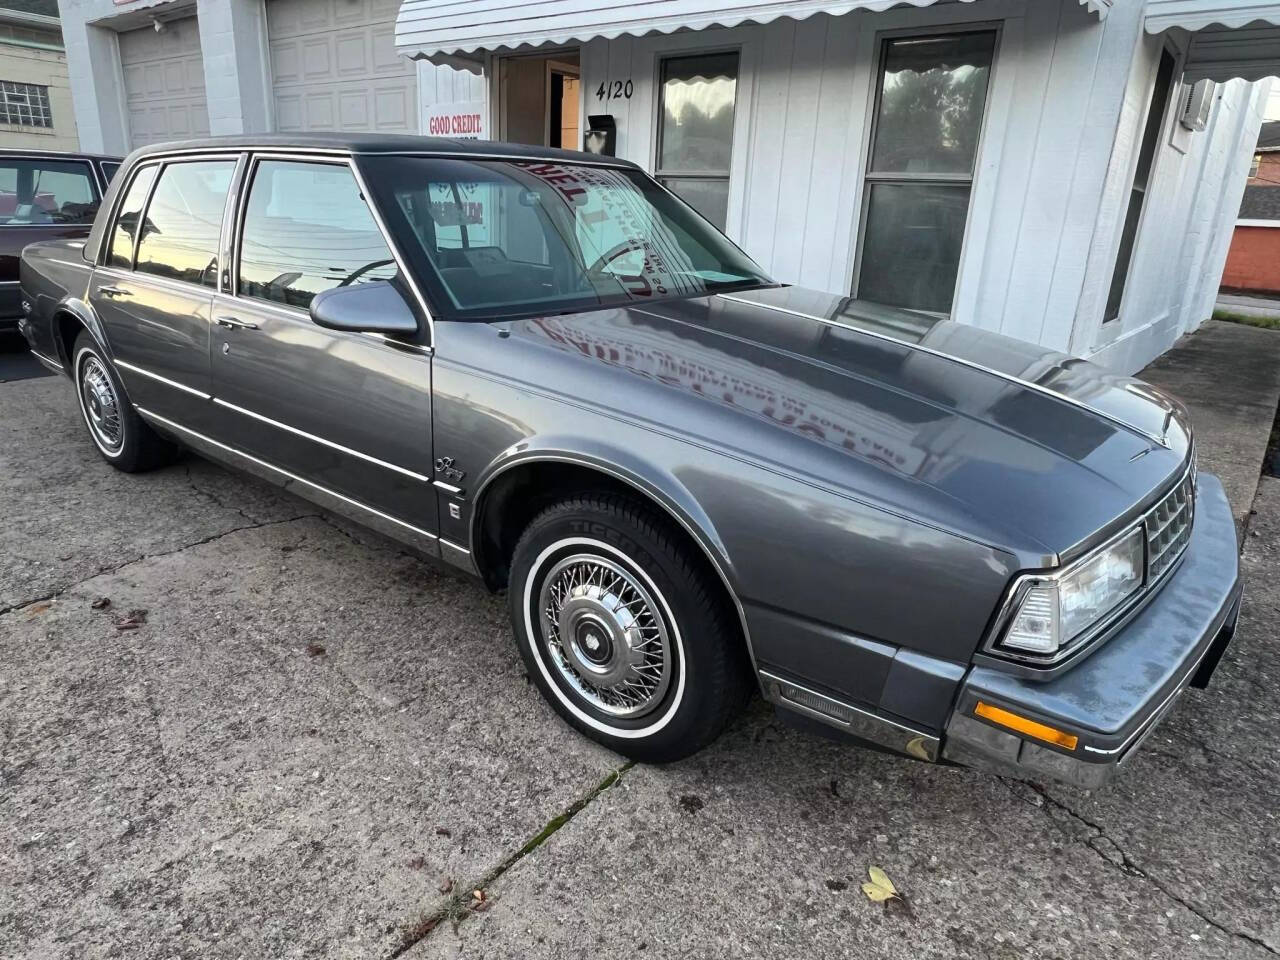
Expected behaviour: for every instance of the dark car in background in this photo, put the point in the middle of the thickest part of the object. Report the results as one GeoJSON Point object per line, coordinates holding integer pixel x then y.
{"type": "Point", "coordinates": [44, 195]}
{"type": "Point", "coordinates": [691, 480]}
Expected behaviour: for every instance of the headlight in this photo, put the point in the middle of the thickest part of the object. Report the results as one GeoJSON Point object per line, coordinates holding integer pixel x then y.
{"type": "Point", "coordinates": [1057, 609]}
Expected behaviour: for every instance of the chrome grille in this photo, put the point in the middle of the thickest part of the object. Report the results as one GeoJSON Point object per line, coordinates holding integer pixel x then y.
{"type": "Point", "coordinates": [1169, 528]}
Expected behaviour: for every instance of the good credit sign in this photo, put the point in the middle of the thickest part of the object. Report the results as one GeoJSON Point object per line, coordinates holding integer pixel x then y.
{"type": "Point", "coordinates": [462, 121]}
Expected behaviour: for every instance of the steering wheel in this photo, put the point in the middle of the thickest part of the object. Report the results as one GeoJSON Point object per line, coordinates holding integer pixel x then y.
{"type": "Point", "coordinates": [613, 253]}
{"type": "Point", "coordinates": [355, 275]}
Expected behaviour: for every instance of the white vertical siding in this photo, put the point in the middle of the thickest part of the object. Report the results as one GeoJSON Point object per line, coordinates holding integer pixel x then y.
{"type": "Point", "coordinates": [445, 84]}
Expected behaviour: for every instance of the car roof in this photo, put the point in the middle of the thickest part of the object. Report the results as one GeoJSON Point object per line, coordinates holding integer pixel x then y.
{"type": "Point", "coordinates": [59, 155]}
{"type": "Point", "coordinates": [375, 143]}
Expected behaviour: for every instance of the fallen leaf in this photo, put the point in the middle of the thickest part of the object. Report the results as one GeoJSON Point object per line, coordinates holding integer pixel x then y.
{"type": "Point", "coordinates": [477, 895]}
{"type": "Point", "coordinates": [417, 863]}
{"type": "Point", "coordinates": [446, 885]}
{"type": "Point", "coordinates": [880, 888]}
{"type": "Point", "coordinates": [37, 608]}
{"type": "Point", "coordinates": [917, 747]}
{"type": "Point", "coordinates": [314, 649]}
{"type": "Point", "coordinates": [132, 620]}
{"type": "Point", "coordinates": [101, 603]}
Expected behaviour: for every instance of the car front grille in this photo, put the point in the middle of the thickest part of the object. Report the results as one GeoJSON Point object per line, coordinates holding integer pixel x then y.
{"type": "Point", "coordinates": [1169, 528]}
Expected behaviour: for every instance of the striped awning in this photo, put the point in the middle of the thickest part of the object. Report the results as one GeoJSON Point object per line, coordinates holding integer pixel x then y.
{"type": "Point", "coordinates": [458, 29]}
{"type": "Point", "coordinates": [1194, 15]}
{"type": "Point", "coordinates": [1229, 38]}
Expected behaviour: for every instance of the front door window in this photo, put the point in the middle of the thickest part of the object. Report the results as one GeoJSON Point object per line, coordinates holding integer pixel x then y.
{"type": "Point", "coordinates": [307, 229]}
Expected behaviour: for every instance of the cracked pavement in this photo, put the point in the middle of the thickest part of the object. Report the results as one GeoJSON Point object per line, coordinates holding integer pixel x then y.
{"type": "Point", "coordinates": [317, 745]}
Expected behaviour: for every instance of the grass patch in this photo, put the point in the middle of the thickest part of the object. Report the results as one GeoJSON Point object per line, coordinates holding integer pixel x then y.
{"type": "Point", "coordinates": [1266, 323]}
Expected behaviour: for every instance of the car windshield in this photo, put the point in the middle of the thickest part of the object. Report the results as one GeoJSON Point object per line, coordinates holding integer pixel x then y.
{"type": "Point", "coordinates": [506, 238]}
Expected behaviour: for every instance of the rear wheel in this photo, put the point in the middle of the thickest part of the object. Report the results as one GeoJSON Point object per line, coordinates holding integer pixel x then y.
{"type": "Point", "coordinates": [118, 433]}
{"type": "Point", "coordinates": [624, 630]}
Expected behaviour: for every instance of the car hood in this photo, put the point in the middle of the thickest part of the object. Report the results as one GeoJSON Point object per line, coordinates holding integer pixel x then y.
{"type": "Point", "coordinates": [989, 437]}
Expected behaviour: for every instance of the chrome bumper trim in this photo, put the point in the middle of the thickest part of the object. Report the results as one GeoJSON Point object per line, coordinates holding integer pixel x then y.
{"type": "Point", "coordinates": [853, 720]}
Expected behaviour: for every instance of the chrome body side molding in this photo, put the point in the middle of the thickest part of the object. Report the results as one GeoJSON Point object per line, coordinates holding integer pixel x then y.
{"type": "Point", "coordinates": [322, 441]}
{"type": "Point", "coordinates": [142, 371]}
{"type": "Point", "coordinates": [383, 522]}
{"type": "Point", "coordinates": [48, 361]}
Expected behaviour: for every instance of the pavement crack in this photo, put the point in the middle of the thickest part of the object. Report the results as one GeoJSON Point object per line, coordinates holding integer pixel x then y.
{"type": "Point", "coordinates": [142, 557]}
{"type": "Point", "coordinates": [458, 906]}
{"type": "Point", "coordinates": [1108, 849]}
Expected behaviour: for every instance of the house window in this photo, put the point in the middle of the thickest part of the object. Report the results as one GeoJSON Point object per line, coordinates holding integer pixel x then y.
{"type": "Point", "coordinates": [1141, 180]}
{"type": "Point", "coordinates": [695, 130]}
{"type": "Point", "coordinates": [1256, 167]}
{"type": "Point", "coordinates": [931, 94]}
{"type": "Point", "coordinates": [24, 104]}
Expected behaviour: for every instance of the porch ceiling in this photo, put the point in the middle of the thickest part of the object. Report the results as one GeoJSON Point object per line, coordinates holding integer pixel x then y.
{"type": "Point", "coordinates": [448, 29]}
{"type": "Point", "coordinates": [1229, 38]}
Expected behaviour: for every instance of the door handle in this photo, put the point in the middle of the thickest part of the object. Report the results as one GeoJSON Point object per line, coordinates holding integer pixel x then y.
{"type": "Point", "coordinates": [234, 322]}
{"type": "Point", "coordinates": [114, 291]}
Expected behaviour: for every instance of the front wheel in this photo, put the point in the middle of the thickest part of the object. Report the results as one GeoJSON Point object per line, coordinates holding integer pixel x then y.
{"type": "Point", "coordinates": [115, 428]}
{"type": "Point", "coordinates": [624, 630]}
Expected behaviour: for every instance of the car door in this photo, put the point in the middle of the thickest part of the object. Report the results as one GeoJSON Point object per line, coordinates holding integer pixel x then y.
{"type": "Point", "coordinates": [41, 198]}
{"type": "Point", "coordinates": [154, 287]}
{"type": "Point", "coordinates": [348, 414]}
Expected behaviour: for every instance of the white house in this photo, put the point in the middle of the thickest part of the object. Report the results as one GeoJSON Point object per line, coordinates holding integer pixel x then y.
{"type": "Point", "coordinates": [1053, 169]}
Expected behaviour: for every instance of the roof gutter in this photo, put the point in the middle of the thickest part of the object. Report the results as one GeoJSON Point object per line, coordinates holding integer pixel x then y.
{"type": "Point", "coordinates": [24, 19]}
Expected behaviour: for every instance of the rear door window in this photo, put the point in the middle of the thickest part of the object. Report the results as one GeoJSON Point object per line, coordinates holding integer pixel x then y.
{"type": "Point", "coordinates": [307, 229]}
{"type": "Point", "coordinates": [35, 192]}
{"type": "Point", "coordinates": [183, 223]}
{"type": "Point", "coordinates": [125, 232]}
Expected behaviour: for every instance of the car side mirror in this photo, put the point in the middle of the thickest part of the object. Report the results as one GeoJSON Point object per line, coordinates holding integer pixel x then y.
{"type": "Point", "coordinates": [373, 307]}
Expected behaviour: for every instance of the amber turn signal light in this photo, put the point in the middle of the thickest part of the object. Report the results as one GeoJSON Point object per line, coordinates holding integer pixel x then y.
{"type": "Point", "coordinates": [1031, 728]}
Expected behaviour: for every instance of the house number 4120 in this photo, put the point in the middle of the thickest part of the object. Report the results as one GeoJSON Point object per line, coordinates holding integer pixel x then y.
{"type": "Point", "coordinates": [615, 90]}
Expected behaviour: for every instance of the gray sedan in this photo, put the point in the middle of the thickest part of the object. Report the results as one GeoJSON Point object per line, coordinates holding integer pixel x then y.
{"type": "Point", "coordinates": [691, 481]}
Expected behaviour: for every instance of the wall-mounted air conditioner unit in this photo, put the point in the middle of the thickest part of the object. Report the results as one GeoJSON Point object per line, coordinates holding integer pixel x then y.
{"type": "Point", "coordinates": [1197, 101]}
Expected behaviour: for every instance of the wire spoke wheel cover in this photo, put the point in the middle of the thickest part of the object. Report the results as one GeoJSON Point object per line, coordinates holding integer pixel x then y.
{"type": "Point", "coordinates": [101, 405]}
{"type": "Point", "coordinates": [605, 636]}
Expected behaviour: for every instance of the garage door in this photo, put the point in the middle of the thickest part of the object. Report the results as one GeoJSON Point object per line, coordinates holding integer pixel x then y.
{"type": "Point", "coordinates": [164, 83]}
{"type": "Point", "coordinates": [334, 66]}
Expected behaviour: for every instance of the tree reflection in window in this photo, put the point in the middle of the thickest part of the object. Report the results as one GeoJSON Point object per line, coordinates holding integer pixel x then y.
{"type": "Point", "coordinates": [931, 95]}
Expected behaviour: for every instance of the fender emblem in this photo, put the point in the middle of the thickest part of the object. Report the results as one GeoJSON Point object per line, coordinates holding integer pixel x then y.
{"type": "Point", "coordinates": [446, 469]}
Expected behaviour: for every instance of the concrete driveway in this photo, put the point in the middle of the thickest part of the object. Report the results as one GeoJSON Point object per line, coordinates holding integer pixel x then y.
{"type": "Point", "coordinates": [313, 745]}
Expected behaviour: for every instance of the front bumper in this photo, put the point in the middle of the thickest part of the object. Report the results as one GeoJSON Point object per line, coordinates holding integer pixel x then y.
{"type": "Point", "coordinates": [1113, 699]}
